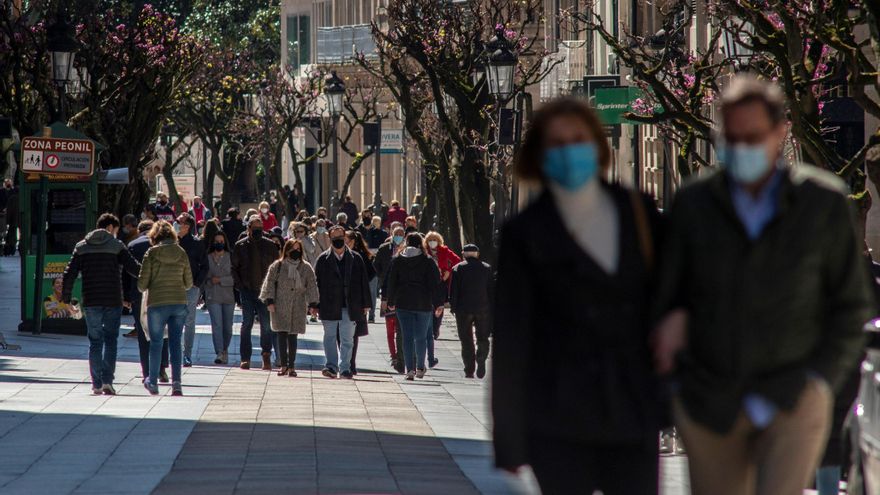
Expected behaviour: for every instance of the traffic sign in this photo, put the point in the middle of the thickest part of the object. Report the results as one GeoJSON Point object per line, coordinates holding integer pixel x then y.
{"type": "Point", "coordinates": [58, 156]}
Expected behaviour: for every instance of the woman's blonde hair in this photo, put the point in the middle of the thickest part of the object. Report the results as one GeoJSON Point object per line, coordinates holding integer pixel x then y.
{"type": "Point", "coordinates": [161, 231]}
{"type": "Point", "coordinates": [434, 236]}
{"type": "Point", "coordinates": [264, 204]}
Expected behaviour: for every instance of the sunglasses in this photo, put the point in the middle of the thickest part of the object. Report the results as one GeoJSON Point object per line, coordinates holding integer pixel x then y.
{"type": "Point", "coordinates": [299, 231]}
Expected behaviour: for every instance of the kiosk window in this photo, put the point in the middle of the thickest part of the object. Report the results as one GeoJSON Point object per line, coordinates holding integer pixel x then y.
{"type": "Point", "coordinates": [66, 220]}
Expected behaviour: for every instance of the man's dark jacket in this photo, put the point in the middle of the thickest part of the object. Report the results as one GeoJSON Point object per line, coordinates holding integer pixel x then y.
{"type": "Point", "coordinates": [233, 228]}
{"type": "Point", "coordinates": [198, 258]}
{"type": "Point", "coordinates": [471, 287]}
{"type": "Point", "coordinates": [138, 249]}
{"type": "Point", "coordinates": [251, 258]}
{"type": "Point", "coordinates": [765, 314]}
{"type": "Point", "coordinates": [382, 260]}
{"type": "Point", "coordinates": [352, 281]}
{"type": "Point", "coordinates": [98, 258]}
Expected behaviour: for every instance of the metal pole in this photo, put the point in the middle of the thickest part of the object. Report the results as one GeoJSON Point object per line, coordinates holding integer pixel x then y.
{"type": "Point", "coordinates": [514, 187]}
{"type": "Point", "coordinates": [42, 213]}
{"type": "Point", "coordinates": [637, 176]}
{"type": "Point", "coordinates": [334, 170]}
{"type": "Point", "coordinates": [405, 185]}
{"type": "Point", "coordinates": [377, 177]}
{"type": "Point", "coordinates": [501, 189]}
{"type": "Point", "coordinates": [42, 206]}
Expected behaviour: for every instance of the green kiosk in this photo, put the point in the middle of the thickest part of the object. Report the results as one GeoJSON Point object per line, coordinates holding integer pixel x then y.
{"type": "Point", "coordinates": [62, 161]}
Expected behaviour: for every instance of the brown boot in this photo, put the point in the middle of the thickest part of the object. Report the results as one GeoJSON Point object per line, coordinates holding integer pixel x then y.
{"type": "Point", "coordinates": [267, 361]}
{"type": "Point", "coordinates": [245, 365]}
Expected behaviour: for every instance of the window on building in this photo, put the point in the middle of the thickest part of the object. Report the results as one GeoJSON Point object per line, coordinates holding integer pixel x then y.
{"type": "Point", "coordinates": [299, 40]}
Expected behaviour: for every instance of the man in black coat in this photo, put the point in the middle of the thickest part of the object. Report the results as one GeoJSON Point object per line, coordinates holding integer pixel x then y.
{"type": "Point", "coordinates": [138, 248]}
{"type": "Point", "coordinates": [232, 225]}
{"type": "Point", "coordinates": [98, 258]}
{"type": "Point", "coordinates": [251, 258]}
{"type": "Point", "coordinates": [344, 292]}
{"type": "Point", "coordinates": [469, 297]}
{"type": "Point", "coordinates": [198, 263]}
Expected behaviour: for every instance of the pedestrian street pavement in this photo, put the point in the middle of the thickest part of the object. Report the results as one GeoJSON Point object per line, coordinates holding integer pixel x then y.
{"type": "Point", "coordinates": [239, 431]}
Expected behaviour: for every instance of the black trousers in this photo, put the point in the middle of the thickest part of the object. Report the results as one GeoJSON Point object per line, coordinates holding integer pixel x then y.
{"type": "Point", "coordinates": [466, 324]}
{"type": "Point", "coordinates": [563, 467]}
{"type": "Point", "coordinates": [143, 343]}
{"type": "Point", "coordinates": [286, 348]}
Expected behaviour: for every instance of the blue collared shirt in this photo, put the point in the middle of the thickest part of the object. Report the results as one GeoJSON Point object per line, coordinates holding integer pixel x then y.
{"type": "Point", "coordinates": [755, 212]}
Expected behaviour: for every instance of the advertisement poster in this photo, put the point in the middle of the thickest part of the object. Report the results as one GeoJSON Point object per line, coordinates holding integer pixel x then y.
{"type": "Point", "coordinates": [53, 307]}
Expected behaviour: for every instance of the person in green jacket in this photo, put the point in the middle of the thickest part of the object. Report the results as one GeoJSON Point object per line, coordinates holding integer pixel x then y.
{"type": "Point", "coordinates": [165, 276]}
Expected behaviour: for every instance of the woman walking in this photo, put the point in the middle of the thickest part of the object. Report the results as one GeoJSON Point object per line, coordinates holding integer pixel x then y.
{"type": "Point", "coordinates": [165, 277]}
{"type": "Point", "coordinates": [413, 290]}
{"type": "Point", "coordinates": [446, 260]}
{"type": "Point", "coordinates": [355, 242]}
{"type": "Point", "coordinates": [573, 389]}
{"type": "Point", "coordinates": [320, 236]}
{"type": "Point", "coordinates": [219, 295]}
{"type": "Point", "coordinates": [289, 289]}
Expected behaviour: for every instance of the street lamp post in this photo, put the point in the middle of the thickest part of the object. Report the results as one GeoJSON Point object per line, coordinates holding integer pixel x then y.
{"type": "Point", "coordinates": [62, 49]}
{"type": "Point", "coordinates": [334, 89]}
{"type": "Point", "coordinates": [501, 66]}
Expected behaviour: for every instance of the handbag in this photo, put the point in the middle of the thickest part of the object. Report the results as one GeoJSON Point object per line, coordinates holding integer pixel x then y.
{"type": "Point", "coordinates": [361, 328]}
{"type": "Point", "coordinates": [643, 229]}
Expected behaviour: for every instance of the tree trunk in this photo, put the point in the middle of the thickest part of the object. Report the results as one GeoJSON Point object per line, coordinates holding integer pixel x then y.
{"type": "Point", "coordinates": [173, 196]}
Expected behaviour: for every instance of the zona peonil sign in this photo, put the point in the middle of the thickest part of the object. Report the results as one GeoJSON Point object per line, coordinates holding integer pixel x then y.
{"type": "Point", "coordinates": [44, 155]}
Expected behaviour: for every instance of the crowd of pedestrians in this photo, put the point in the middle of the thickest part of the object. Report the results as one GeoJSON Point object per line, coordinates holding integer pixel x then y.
{"type": "Point", "coordinates": [180, 258]}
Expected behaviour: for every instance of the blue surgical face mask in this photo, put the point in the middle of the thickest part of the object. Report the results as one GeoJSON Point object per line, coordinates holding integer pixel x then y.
{"type": "Point", "coordinates": [571, 166]}
{"type": "Point", "coordinates": [397, 239]}
{"type": "Point", "coordinates": [745, 163]}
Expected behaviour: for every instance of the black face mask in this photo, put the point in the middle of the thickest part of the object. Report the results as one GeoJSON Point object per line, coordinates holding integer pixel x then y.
{"type": "Point", "coordinates": [295, 255]}
{"type": "Point", "coordinates": [257, 233]}
{"type": "Point", "coordinates": [218, 246]}
{"type": "Point", "coordinates": [338, 243]}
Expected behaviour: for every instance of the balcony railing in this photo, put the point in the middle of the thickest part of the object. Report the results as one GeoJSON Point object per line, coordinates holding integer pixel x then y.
{"type": "Point", "coordinates": [340, 44]}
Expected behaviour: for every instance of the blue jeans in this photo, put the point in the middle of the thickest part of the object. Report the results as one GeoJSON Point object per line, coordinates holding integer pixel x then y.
{"type": "Point", "coordinates": [416, 326]}
{"type": "Point", "coordinates": [189, 334]}
{"type": "Point", "coordinates": [339, 360]}
{"type": "Point", "coordinates": [221, 325]}
{"type": "Point", "coordinates": [102, 323]}
{"type": "Point", "coordinates": [174, 316]}
{"type": "Point", "coordinates": [251, 306]}
{"type": "Point", "coordinates": [374, 293]}
{"type": "Point", "coordinates": [828, 480]}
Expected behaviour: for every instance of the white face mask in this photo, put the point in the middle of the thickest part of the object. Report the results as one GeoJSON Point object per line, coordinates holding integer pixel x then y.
{"type": "Point", "coordinates": [433, 244]}
{"type": "Point", "coordinates": [264, 210]}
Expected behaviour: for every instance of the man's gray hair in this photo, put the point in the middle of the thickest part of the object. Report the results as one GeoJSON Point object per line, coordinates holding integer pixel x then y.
{"type": "Point", "coordinates": [744, 89]}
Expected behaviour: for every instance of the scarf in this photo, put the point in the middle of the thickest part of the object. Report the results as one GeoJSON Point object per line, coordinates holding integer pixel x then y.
{"type": "Point", "coordinates": [293, 272]}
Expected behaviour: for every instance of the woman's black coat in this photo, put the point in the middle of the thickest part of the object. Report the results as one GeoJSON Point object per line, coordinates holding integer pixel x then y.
{"type": "Point", "coordinates": [571, 358]}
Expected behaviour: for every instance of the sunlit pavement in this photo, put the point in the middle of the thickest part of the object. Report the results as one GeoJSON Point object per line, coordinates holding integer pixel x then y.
{"type": "Point", "coordinates": [237, 431]}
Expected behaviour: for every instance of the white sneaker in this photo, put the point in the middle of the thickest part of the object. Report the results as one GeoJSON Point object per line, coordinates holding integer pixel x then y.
{"type": "Point", "coordinates": [108, 389]}
{"type": "Point", "coordinates": [410, 375]}
{"type": "Point", "coordinates": [420, 374]}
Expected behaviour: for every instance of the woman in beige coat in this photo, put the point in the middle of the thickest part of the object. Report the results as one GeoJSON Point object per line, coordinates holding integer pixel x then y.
{"type": "Point", "coordinates": [289, 289]}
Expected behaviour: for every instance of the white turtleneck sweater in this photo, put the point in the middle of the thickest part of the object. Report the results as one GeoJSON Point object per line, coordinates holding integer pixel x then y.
{"type": "Point", "coordinates": [591, 218]}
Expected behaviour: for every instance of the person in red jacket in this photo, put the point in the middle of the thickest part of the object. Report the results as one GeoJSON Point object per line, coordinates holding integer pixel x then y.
{"type": "Point", "coordinates": [395, 214]}
{"type": "Point", "coordinates": [446, 259]}
{"type": "Point", "coordinates": [268, 218]}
